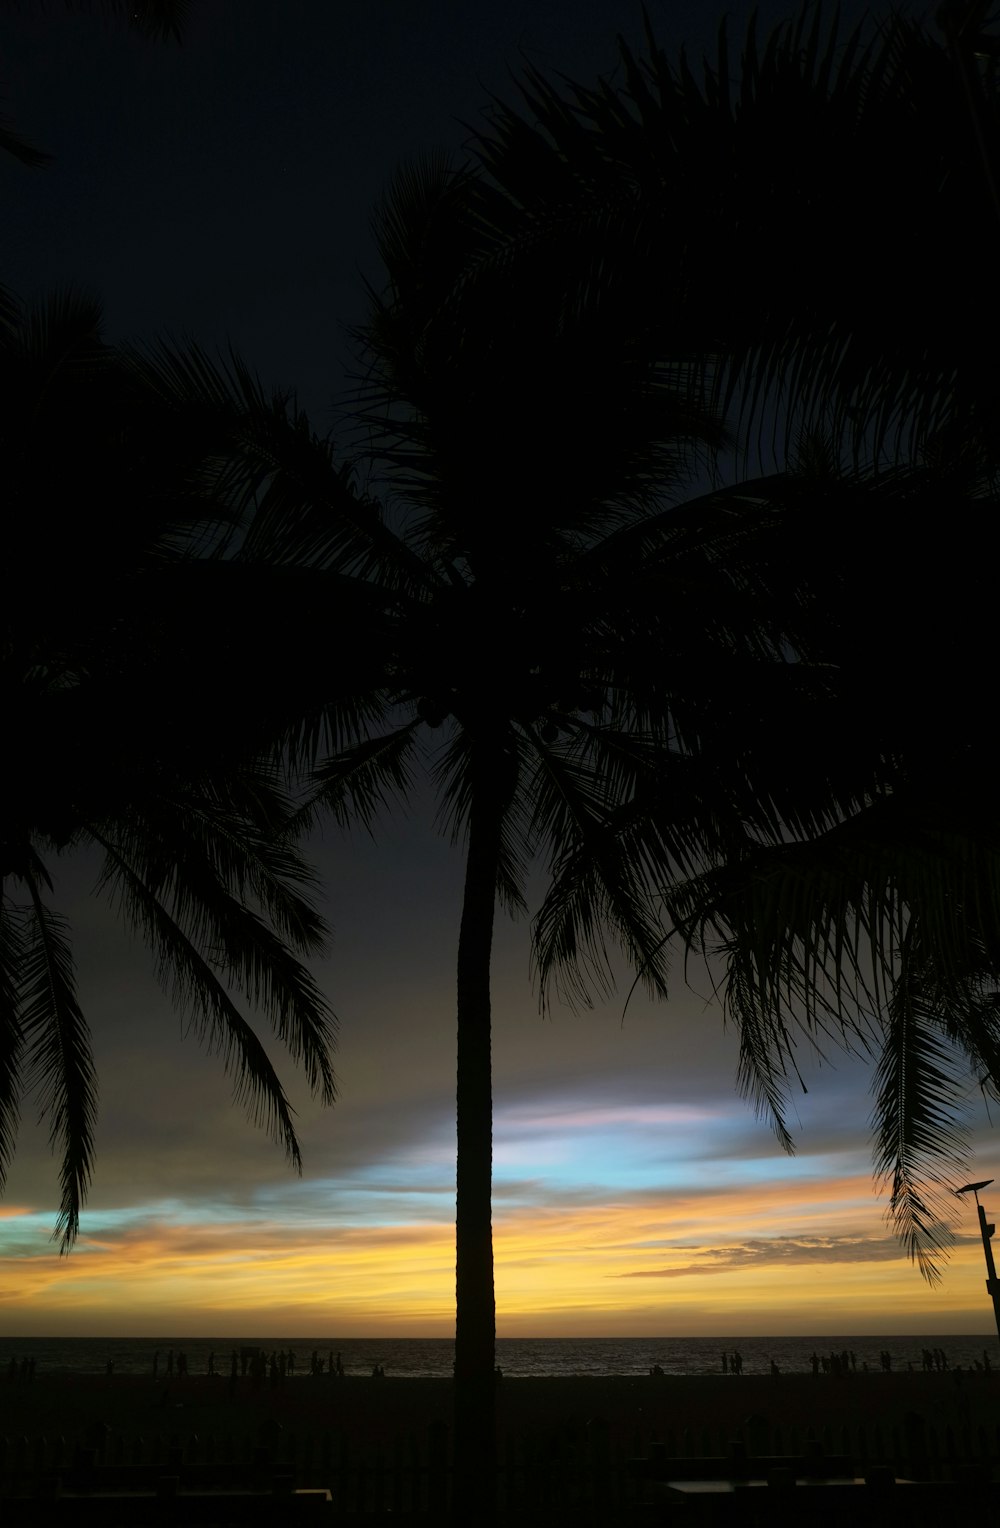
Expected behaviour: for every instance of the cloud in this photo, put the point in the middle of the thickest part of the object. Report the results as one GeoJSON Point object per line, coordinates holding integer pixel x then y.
{"type": "Point", "coordinates": [781, 1250]}
{"type": "Point", "coordinates": [564, 1114]}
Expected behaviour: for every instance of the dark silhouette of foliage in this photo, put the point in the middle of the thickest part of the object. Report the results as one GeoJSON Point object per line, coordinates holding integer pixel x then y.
{"type": "Point", "coordinates": [129, 730]}
{"type": "Point", "coordinates": [813, 226]}
{"type": "Point", "coordinates": [559, 638]}
{"type": "Point", "coordinates": [695, 707]}
{"type": "Point", "coordinates": [814, 216]}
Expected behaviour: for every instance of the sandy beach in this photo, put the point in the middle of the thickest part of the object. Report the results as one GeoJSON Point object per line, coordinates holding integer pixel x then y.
{"type": "Point", "coordinates": [363, 1410]}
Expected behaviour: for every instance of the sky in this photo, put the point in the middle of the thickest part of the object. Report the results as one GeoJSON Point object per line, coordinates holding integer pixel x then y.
{"type": "Point", "coordinates": [222, 190]}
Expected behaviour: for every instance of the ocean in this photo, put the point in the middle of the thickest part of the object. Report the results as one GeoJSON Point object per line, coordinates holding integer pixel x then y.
{"type": "Point", "coordinates": [517, 1356]}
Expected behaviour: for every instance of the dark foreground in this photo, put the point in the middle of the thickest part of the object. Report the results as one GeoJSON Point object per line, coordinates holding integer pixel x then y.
{"type": "Point", "coordinates": [369, 1410]}
{"type": "Point", "coordinates": [567, 1448]}
{"type": "Point", "coordinates": [690, 1414]}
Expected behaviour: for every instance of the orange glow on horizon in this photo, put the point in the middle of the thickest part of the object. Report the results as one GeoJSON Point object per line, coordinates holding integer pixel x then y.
{"type": "Point", "coordinates": [649, 1264]}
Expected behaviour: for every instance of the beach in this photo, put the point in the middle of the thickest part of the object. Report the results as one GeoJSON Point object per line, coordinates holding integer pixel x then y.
{"type": "Point", "coordinates": [707, 1409]}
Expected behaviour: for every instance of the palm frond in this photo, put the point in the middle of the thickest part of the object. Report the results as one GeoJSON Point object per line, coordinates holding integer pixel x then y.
{"type": "Point", "coordinates": [823, 918]}
{"type": "Point", "coordinates": [604, 883]}
{"type": "Point", "coordinates": [58, 1061]}
{"type": "Point", "coordinates": [459, 367]}
{"type": "Point", "coordinates": [14, 143]}
{"type": "Point", "coordinates": [237, 841]}
{"type": "Point", "coordinates": [358, 783]}
{"type": "Point", "coordinates": [281, 479]}
{"type": "Point", "coordinates": [878, 936]}
{"type": "Point", "coordinates": [13, 950]}
{"type": "Point", "coordinates": [57, 345]}
{"type": "Point", "coordinates": [620, 184]}
{"type": "Point", "coordinates": [766, 1061]}
{"type": "Point", "coordinates": [452, 776]}
{"type": "Point", "coordinates": [245, 951]}
{"type": "Point", "coordinates": [921, 1146]}
{"type": "Point", "coordinates": [454, 772]}
{"type": "Point", "coordinates": [514, 846]}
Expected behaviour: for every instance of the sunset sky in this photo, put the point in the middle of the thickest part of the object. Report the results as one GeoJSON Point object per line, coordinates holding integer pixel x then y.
{"type": "Point", "coordinates": [223, 190]}
{"type": "Point", "coordinates": [635, 1194]}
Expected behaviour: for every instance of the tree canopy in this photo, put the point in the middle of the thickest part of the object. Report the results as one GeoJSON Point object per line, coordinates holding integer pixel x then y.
{"type": "Point", "coordinates": [130, 729]}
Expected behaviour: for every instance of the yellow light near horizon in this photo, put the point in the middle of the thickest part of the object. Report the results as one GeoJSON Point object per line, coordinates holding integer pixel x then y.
{"type": "Point", "coordinates": [647, 1264]}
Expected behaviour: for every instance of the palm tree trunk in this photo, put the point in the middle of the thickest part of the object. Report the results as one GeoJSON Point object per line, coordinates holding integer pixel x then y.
{"type": "Point", "coordinates": [475, 1323]}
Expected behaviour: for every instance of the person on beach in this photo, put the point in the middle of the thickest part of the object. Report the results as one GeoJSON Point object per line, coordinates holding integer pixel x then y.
{"type": "Point", "coordinates": [725, 1362]}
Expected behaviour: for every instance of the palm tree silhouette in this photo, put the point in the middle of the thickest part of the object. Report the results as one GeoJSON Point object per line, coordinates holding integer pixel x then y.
{"type": "Point", "coordinates": [129, 732]}
{"type": "Point", "coordinates": [789, 216]}
{"type": "Point", "coordinates": [536, 619]}
{"type": "Point", "coordinates": [597, 674]}
{"type": "Point", "coordinates": [880, 928]}
{"type": "Point", "coordinates": [791, 210]}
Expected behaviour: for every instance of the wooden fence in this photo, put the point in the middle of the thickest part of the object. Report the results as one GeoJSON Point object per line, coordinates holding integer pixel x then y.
{"type": "Point", "coordinates": [567, 1468]}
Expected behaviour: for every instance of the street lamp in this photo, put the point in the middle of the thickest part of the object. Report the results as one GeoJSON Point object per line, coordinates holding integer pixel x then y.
{"type": "Point", "coordinates": [992, 1283]}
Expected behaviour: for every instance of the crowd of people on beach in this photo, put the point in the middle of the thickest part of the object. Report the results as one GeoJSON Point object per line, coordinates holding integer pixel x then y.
{"type": "Point", "coordinates": [178, 1364]}
{"type": "Point", "coordinates": [254, 1364]}
{"type": "Point", "coordinates": [260, 1367]}
{"type": "Point", "coordinates": [935, 1360]}
{"type": "Point", "coordinates": [257, 1366]}
{"type": "Point", "coordinates": [844, 1362]}
{"type": "Point", "coordinates": [932, 1360]}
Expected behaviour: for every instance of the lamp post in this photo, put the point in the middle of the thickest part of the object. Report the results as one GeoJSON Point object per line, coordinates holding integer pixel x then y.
{"type": "Point", "coordinates": [992, 1283]}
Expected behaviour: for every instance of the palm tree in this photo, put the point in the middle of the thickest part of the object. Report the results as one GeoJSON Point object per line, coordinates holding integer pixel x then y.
{"type": "Point", "coordinates": [880, 929]}
{"type": "Point", "coordinates": [130, 733]}
{"type": "Point", "coordinates": [597, 675]}
{"type": "Point", "coordinates": [818, 216]}
{"type": "Point", "coordinates": [540, 622]}
{"type": "Point", "coordinates": [879, 935]}
{"type": "Point", "coordinates": [815, 228]}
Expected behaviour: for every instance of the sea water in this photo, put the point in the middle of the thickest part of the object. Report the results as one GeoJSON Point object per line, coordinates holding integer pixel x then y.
{"type": "Point", "coordinates": [430, 1357]}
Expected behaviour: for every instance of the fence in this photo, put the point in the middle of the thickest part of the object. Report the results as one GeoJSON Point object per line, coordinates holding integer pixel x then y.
{"type": "Point", "coordinates": [563, 1469]}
